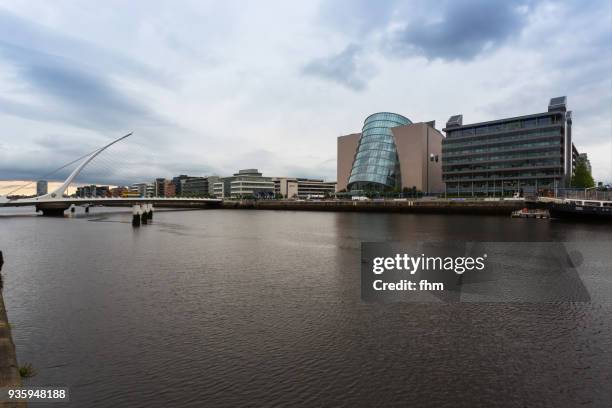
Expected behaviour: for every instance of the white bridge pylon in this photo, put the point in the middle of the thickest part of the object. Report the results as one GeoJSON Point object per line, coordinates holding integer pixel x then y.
{"type": "Point", "coordinates": [59, 192]}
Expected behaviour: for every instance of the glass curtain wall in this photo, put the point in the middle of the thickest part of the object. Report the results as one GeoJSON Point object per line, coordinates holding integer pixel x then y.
{"type": "Point", "coordinates": [376, 166]}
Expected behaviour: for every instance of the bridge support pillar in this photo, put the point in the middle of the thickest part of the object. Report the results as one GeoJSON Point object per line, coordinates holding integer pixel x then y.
{"type": "Point", "coordinates": [144, 217]}
{"type": "Point", "coordinates": [52, 209]}
{"type": "Point", "coordinates": [136, 216]}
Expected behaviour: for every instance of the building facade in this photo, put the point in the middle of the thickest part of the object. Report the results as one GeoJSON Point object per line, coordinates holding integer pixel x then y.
{"type": "Point", "coordinates": [164, 188]}
{"type": "Point", "coordinates": [583, 157]}
{"type": "Point", "coordinates": [302, 187]}
{"type": "Point", "coordinates": [527, 153]}
{"type": "Point", "coordinates": [245, 183]}
{"type": "Point", "coordinates": [347, 149]}
{"type": "Point", "coordinates": [195, 186]}
{"type": "Point", "coordinates": [178, 182]}
{"type": "Point", "coordinates": [391, 154]}
{"type": "Point", "coordinates": [42, 187]}
{"type": "Point", "coordinates": [93, 191]}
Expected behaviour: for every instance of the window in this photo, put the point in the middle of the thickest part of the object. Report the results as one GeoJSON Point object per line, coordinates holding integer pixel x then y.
{"type": "Point", "coordinates": [544, 121]}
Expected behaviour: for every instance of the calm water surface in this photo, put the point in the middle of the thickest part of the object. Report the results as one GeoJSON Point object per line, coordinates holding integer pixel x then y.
{"type": "Point", "coordinates": [227, 308]}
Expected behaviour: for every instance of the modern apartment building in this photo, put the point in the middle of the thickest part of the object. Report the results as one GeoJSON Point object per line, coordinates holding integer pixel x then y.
{"type": "Point", "coordinates": [302, 187]}
{"type": "Point", "coordinates": [41, 187]}
{"type": "Point", "coordinates": [528, 153]}
{"type": "Point", "coordinates": [391, 153]}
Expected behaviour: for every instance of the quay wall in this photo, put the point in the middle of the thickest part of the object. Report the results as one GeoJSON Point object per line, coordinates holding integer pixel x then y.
{"type": "Point", "coordinates": [505, 207]}
{"type": "Point", "coordinates": [9, 370]}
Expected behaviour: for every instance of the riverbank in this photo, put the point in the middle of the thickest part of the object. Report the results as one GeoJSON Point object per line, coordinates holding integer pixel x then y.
{"type": "Point", "coordinates": [505, 207]}
{"type": "Point", "coordinates": [9, 370]}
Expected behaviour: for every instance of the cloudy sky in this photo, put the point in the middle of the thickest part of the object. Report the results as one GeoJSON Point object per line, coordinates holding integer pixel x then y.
{"type": "Point", "coordinates": [211, 87]}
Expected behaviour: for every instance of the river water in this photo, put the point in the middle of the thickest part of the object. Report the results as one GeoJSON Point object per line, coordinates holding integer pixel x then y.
{"type": "Point", "coordinates": [228, 308]}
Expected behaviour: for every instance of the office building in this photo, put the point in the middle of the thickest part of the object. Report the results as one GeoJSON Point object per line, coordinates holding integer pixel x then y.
{"type": "Point", "coordinates": [195, 187]}
{"type": "Point", "coordinates": [219, 189]}
{"type": "Point", "coordinates": [41, 187]}
{"type": "Point", "coordinates": [302, 187]}
{"type": "Point", "coordinates": [164, 188]}
{"type": "Point", "coordinates": [118, 191]}
{"type": "Point", "coordinates": [211, 184]}
{"type": "Point", "coordinates": [391, 154]}
{"type": "Point", "coordinates": [93, 191]}
{"type": "Point", "coordinates": [526, 153]}
{"type": "Point", "coordinates": [139, 188]}
{"type": "Point", "coordinates": [178, 182]}
{"type": "Point", "coordinates": [245, 183]}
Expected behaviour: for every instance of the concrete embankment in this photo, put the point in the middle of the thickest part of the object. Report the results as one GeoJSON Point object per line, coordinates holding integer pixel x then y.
{"type": "Point", "coordinates": [9, 370]}
{"type": "Point", "coordinates": [502, 207]}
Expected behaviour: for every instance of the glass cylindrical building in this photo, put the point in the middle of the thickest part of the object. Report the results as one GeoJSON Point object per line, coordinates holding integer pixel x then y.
{"type": "Point", "coordinates": [376, 166]}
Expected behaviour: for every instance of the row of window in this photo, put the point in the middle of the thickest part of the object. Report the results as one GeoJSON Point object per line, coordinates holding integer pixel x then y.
{"type": "Point", "coordinates": [383, 154]}
{"type": "Point", "coordinates": [388, 116]}
{"type": "Point", "coordinates": [378, 137]}
{"type": "Point", "coordinates": [526, 164]}
{"type": "Point", "coordinates": [366, 145]}
{"type": "Point", "coordinates": [506, 126]}
{"type": "Point", "coordinates": [532, 134]}
{"type": "Point", "coordinates": [384, 124]}
{"type": "Point", "coordinates": [372, 178]}
{"type": "Point", "coordinates": [386, 170]}
{"type": "Point", "coordinates": [501, 176]}
{"type": "Point", "coordinates": [374, 161]}
{"type": "Point", "coordinates": [502, 148]}
{"type": "Point", "coordinates": [487, 158]}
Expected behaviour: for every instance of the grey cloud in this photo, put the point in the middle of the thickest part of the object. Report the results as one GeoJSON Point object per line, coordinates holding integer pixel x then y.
{"type": "Point", "coordinates": [341, 68]}
{"type": "Point", "coordinates": [73, 93]}
{"type": "Point", "coordinates": [25, 34]}
{"type": "Point", "coordinates": [462, 31]}
{"type": "Point", "coordinates": [357, 16]}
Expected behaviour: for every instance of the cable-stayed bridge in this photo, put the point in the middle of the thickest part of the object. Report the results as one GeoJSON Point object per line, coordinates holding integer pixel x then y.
{"type": "Point", "coordinates": [56, 202]}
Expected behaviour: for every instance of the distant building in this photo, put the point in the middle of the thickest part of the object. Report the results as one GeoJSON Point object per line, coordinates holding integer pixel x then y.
{"type": "Point", "coordinates": [219, 189]}
{"type": "Point", "coordinates": [139, 188]}
{"type": "Point", "coordinates": [41, 187]}
{"type": "Point", "coordinates": [118, 191]}
{"type": "Point", "coordinates": [245, 183]}
{"type": "Point", "coordinates": [391, 153]}
{"type": "Point", "coordinates": [531, 152]}
{"type": "Point", "coordinates": [130, 194]}
{"type": "Point", "coordinates": [583, 157]}
{"type": "Point", "coordinates": [160, 187]}
{"type": "Point", "coordinates": [92, 191]}
{"type": "Point", "coordinates": [211, 183]}
{"type": "Point", "coordinates": [285, 187]}
{"type": "Point", "coordinates": [178, 182]}
{"type": "Point", "coordinates": [302, 187]}
{"type": "Point", "coordinates": [164, 188]}
{"type": "Point", "coordinates": [195, 186]}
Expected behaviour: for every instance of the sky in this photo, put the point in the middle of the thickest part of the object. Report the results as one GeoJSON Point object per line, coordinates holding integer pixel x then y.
{"type": "Point", "coordinates": [210, 87]}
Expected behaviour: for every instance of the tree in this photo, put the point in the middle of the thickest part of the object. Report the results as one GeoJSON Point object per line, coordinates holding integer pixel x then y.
{"type": "Point", "coordinates": [582, 176]}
